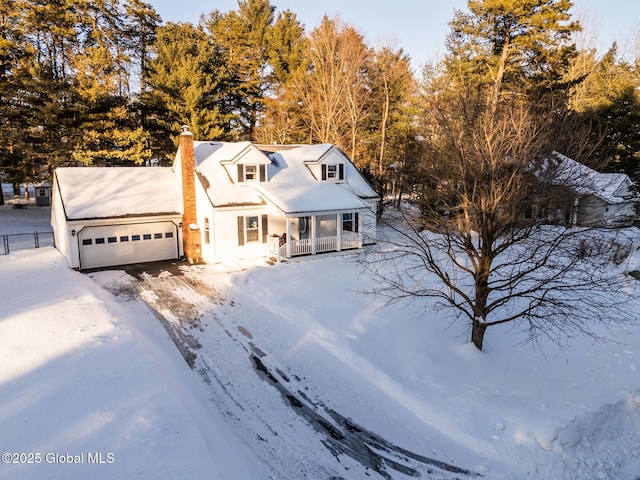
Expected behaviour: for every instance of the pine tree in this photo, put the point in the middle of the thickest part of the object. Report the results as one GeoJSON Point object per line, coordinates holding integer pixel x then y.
{"type": "Point", "coordinates": [282, 118]}
{"type": "Point", "coordinates": [16, 58]}
{"type": "Point", "coordinates": [520, 46]}
{"type": "Point", "coordinates": [242, 37]}
{"type": "Point", "coordinates": [190, 83]}
{"type": "Point", "coordinates": [141, 32]}
{"type": "Point", "coordinates": [609, 100]}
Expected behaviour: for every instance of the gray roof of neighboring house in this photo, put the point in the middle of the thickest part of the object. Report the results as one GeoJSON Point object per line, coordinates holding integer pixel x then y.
{"type": "Point", "coordinates": [114, 192]}
{"type": "Point", "coordinates": [610, 187]}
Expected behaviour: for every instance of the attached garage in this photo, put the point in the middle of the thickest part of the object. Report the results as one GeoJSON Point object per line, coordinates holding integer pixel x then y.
{"type": "Point", "coordinates": [102, 246]}
{"type": "Point", "coordinates": [116, 216]}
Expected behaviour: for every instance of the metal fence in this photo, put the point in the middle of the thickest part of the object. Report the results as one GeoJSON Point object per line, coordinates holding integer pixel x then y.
{"type": "Point", "coordinates": [25, 241]}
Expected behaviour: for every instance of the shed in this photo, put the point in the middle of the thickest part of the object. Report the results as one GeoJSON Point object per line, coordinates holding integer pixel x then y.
{"type": "Point", "coordinates": [43, 194]}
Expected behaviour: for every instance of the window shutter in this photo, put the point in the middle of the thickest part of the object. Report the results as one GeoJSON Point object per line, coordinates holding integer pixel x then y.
{"type": "Point", "coordinates": [265, 228]}
{"type": "Point", "coordinates": [356, 221]}
{"type": "Point", "coordinates": [324, 172]}
{"type": "Point", "coordinates": [240, 231]}
{"type": "Point", "coordinates": [263, 173]}
{"type": "Point", "coordinates": [341, 171]}
{"type": "Point", "coordinates": [240, 173]}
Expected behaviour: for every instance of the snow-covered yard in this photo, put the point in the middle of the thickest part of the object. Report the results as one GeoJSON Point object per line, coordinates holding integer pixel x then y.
{"type": "Point", "coordinates": [294, 375]}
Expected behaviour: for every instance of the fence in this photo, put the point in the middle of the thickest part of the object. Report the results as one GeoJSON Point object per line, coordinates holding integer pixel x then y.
{"type": "Point", "coordinates": [25, 241]}
{"type": "Point", "coordinates": [7, 190]}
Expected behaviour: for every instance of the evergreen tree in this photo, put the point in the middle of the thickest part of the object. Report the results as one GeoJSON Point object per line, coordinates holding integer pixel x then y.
{"type": "Point", "coordinates": [518, 46]}
{"type": "Point", "coordinates": [189, 82]}
{"type": "Point", "coordinates": [242, 38]}
{"type": "Point", "coordinates": [282, 118]}
{"type": "Point", "coordinates": [609, 100]}
{"type": "Point", "coordinates": [16, 60]}
{"type": "Point", "coordinates": [392, 137]}
{"type": "Point", "coordinates": [141, 32]}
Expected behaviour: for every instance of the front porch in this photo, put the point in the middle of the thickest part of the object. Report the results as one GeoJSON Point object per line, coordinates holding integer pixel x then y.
{"type": "Point", "coordinates": [313, 234]}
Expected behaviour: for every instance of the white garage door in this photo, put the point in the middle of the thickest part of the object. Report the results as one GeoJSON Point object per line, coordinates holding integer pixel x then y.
{"type": "Point", "coordinates": [122, 244]}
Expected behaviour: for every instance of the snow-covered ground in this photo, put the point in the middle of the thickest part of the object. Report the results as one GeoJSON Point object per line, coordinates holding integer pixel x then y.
{"type": "Point", "coordinates": [294, 375]}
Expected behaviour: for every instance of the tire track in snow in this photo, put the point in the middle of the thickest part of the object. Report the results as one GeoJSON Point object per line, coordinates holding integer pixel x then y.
{"type": "Point", "coordinates": [182, 305]}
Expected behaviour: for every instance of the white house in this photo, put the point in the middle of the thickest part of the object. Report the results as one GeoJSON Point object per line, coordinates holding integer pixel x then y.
{"type": "Point", "coordinates": [219, 201]}
{"type": "Point", "coordinates": [599, 199]}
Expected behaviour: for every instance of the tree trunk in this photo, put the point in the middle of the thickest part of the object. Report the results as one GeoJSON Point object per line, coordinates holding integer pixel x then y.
{"type": "Point", "coordinates": [477, 333]}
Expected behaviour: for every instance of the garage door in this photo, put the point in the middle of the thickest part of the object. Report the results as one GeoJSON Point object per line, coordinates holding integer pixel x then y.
{"type": "Point", "coordinates": [122, 244]}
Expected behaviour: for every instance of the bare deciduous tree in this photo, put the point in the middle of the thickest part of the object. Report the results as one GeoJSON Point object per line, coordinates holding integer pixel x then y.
{"type": "Point", "coordinates": [476, 235]}
{"type": "Point", "coordinates": [334, 91]}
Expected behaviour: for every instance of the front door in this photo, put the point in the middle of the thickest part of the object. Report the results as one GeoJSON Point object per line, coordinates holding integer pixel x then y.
{"type": "Point", "coordinates": [304, 225]}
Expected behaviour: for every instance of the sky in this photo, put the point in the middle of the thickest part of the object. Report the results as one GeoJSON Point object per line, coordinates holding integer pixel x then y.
{"type": "Point", "coordinates": [418, 26]}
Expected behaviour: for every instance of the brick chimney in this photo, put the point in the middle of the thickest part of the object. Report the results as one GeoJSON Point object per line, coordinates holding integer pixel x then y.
{"type": "Point", "coordinates": [190, 231]}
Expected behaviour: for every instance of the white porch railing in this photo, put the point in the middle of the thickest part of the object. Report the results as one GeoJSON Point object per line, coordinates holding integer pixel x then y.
{"type": "Point", "coordinates": [346, 241]}
{"type": "Point", "coordinates": [351, 240]}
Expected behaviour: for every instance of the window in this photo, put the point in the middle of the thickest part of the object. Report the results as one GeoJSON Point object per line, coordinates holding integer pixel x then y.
{"type": "Point", "coordinates": [253, 229]}
{"type": "Point", "coordinates": [124, 238]}
{"type": "Point", "coordinates": [112, 239]}
{"type": "Point", "coordinates": [135, 238]}
{"type": "Point", "coordinates": [157, 235]}
{"type": "Point", "coordinates": [168, 235]}
{"type": "Point", "coordinates": [350, 222]}
{"type": "Point", "coordinates": [42, 192]}
{"type": "Point", "coordinates": [250, 173]}
{"type": "Point", "coordinates": [146, 236]}
{"type": "Point", "coordinates": [334, 171]}
{"type": "Point", "coordinates": [87, 241]}
{"type": "Point", "coordinates": [207, 238]}
{"type": "Point", "coordinates": [99, 241]}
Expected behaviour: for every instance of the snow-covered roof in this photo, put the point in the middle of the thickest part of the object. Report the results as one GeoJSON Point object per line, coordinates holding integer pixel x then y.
{"type": "Point", "coordinates": [610, 187]}
{"type": "Point", "coordinates": [112, 192]}
{"type": "Point", "coordinates": [291, 186]}
{"type": "Point", "coordinates": [210, 160]}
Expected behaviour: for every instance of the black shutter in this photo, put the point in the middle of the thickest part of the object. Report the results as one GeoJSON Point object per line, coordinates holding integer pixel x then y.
{"type": "Point", "coordinates": [265, 228]}
{"type": "Point", "coordinates": [240, 173]}
{"type": "Point", "coordinates": [356, 220]}
{"type": "Point", "coordinates": [263, 173]}
{"type": "Point", "coordinates": [324, 172]}
{"type": "Point", "coordinates": [240, 230]}
{"type": "Point", "coordinates": [341, 171]}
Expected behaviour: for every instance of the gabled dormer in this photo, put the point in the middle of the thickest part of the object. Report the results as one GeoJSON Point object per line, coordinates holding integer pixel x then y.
{"type": "Point", "coordinates": [248, 165]}
{"type": "Point", "coordinates": [329, 166]}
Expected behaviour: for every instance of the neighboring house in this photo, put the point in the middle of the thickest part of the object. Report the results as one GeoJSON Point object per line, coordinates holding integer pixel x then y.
{"type": "Point", "coordinates": [597, 199]}
{"type": "Point", "coordinates": [220, 201]}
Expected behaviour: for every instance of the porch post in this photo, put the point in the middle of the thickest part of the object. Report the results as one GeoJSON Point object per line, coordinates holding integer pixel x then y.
{"type": "Point", "coordinates": [338, 231]}
{"type": "Point", "coordinates": [312, 234]}
{"type": "Point", "coordinates": [287, 229]}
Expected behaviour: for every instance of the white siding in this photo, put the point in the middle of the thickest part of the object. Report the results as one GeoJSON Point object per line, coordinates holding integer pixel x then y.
{"type": "Point", "coordinates": [368, 223]}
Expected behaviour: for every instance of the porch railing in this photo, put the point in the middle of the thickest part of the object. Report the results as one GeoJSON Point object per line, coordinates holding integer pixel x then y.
{"type": "Point", "coordinates": [348, 240]}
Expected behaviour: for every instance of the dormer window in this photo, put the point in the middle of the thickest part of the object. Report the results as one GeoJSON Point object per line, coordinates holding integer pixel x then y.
{"type": "Point", "coordinates": [252, 173]}
{"type": "Point", "coordinates": [333, 171]}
